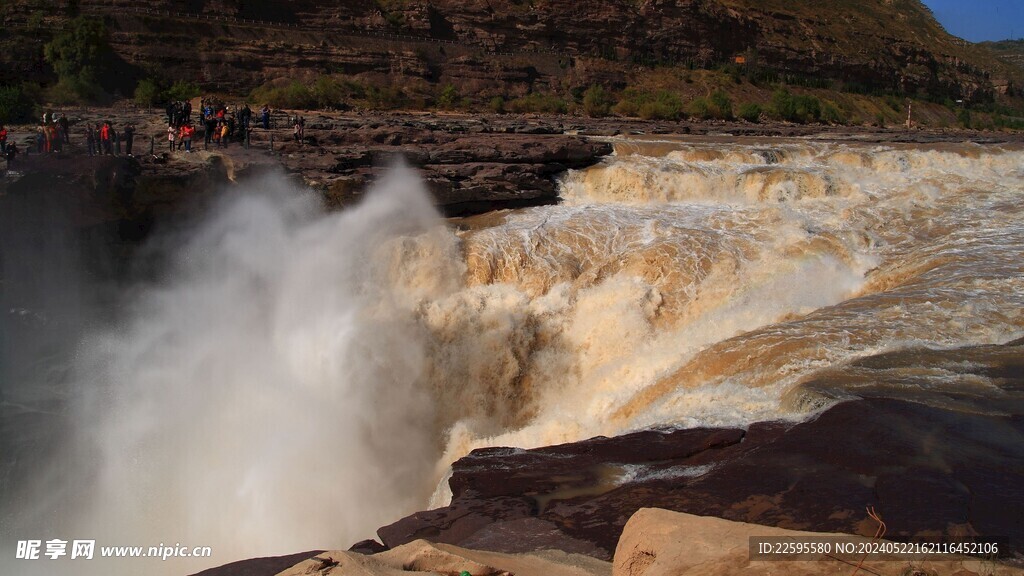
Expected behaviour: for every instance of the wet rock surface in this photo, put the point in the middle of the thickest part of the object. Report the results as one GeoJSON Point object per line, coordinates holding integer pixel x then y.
{"type": "Point", "coordinates": [470, 166]}
{"type": "Point", "coordinates": [932, 473]}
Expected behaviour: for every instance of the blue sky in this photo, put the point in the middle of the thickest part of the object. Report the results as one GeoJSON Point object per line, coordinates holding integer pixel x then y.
{"type": "Point", "coordinates": [978, 20]}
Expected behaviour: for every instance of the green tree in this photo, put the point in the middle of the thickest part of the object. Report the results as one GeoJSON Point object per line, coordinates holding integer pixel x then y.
{"type": "Point", "coordinates": [80, 54]}
{"type": "Point", "coordinates": [183, 90]}
{"type": "Point", "coordinates": [147, 93]}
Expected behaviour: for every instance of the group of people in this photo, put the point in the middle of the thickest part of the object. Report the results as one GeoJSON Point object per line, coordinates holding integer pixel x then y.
{"type": "Point", "coordinates": [219, 123]}
{"type": "Point", "coordinates": [52, 133]}
{"type": "Point", "coordinates": [103, 138]}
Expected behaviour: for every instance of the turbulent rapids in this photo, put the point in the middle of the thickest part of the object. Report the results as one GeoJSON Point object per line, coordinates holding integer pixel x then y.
{"type": "Point", "coordinates": [298, 378]}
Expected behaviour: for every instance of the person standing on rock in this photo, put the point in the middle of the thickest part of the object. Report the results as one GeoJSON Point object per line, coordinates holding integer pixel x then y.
{"type": "Point", "coordinates": [211, 127]}
{"type": "Point", "coordinates": [129, 138]}
{"type": "Point", "coordinates": [105, 136]}
{"type": "Point", "coordinates": [186, 134]}
{"type": "Point", "coordinates": [265, 116]}
{"type": "Point", "coordinates": [3, 139]}
{"type": "Point", "coordinates": [10, 153]}
{"type": "Point", "coordinates": [64, 128]}
{"type": "Point", "coordinates": [172, 134]}
{"type": "Point", "coordinates": [224, 134]}
{"type": "Point", "coordinates": [246, 117]}
{"type": "Point", "coordinates": [90, 139]}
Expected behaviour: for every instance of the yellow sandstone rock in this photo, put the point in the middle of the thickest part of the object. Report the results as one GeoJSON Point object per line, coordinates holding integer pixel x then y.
{"type": "Point", "coordinates": [662, 543]}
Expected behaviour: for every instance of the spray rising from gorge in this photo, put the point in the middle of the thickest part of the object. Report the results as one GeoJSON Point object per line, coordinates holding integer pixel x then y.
{"type": "Point", "coordinates": [296, 379]}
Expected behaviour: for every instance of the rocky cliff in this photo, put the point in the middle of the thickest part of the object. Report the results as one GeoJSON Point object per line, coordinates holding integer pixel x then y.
{"type": "Point", "coordinates": [510, 48]}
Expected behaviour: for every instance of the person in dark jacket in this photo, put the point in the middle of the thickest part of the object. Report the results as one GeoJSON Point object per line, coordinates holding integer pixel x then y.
{"type": "Point", "coordinates": [211, 127]}
{"type": "Point", "coordinates": [90, 139]}
{"type": "Point", "coordinates": [11, 153]}
{"type": "Point", "coordinates": [64, 128]}
{"type": "Point", "coordinates": [129, 138]}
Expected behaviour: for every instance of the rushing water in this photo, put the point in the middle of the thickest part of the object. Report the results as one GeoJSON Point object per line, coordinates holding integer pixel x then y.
{"type": "Point", "coordinates": [294, 379]}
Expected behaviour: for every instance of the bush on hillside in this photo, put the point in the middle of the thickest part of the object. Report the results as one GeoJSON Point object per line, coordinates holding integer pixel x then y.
{"type": "Point", "coordinates": [751, 112]}
{"type": "Point", "coordinates": [660, 105]}
{"type": "Point", "coordinates": [597, 102]}
{"type": "Point", "coordinates": [537, 102]}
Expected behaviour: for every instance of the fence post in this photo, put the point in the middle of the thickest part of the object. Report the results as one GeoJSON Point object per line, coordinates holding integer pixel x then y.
{"type": "Point", "coordinates": [152, 146]}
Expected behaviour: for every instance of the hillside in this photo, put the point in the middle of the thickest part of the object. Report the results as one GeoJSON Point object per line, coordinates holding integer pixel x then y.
{"type": "Point", "coordinates": [1009, 51]}
{"type": "Point", "coordinates": [512, 48]}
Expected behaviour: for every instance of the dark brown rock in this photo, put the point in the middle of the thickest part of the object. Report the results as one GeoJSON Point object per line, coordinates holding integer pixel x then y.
{"type": "Point", "coordinates": [368, 547]}
{"type": "Point", "coordinates": [931, 473]}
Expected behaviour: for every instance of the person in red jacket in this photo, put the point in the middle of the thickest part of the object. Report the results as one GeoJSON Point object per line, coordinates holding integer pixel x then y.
{"type": "Point", "coordinates": [3, 140]}
{"type": "Point", "coordinates": [105, 138]}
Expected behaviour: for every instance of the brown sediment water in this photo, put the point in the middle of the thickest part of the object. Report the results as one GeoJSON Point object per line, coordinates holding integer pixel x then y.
{"type": "Point", "coordinates": [687, 282]}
